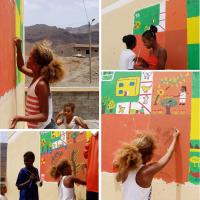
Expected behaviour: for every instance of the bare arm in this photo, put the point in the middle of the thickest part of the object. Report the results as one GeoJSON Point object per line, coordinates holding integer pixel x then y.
{"type": "Point", "coordinates": [162, 58]}
{"type": "Point", "coordinates": [154, 168]}
{"type": "Point", "coordinates": [61, 113]}
{"type": "Point", "coordinates": [144, 64]}
{"type": "Point", "coordinates": [42, 91]}
{"type": "Point", "coordinates": [81, 123]}
{"type": "Point", "coordinates": [78, 181]}
{"type": "Point", "coordinates": [20, 60]}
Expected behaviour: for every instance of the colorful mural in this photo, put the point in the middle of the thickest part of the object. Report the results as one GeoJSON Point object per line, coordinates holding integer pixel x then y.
{"type": "Point", "coordinates": [194, 175]}
{"type": "Point", "coordinates": [12, 26]}
{"type": "Point", "coordinates": [173, 103]}
{"type": "Point", "coordinates": [172, 22]}
{"type": "Point", "coordinates": [146, 93]}
{"type": "Point", "coordinates": [58, 145]}
{"type": "Point", "coordinates": [19, 33]}
{"type": "Point", "coordinates": [193, 41]}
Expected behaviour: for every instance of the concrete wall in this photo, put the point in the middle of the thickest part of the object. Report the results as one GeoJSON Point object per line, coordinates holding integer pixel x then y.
{"type": "Point", "coordinates": [160, 190]}
{"type": "Point", "coordinates": [21, 140]}
{"type": "Point", "coordinates": [87, 103]}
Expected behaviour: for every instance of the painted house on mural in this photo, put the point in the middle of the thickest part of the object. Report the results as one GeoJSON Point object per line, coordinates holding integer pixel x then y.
{"type": "Point", "coordinates": [178, 30]}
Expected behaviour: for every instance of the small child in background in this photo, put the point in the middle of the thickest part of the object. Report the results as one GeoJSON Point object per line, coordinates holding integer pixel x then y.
{"type": "Point", "coordinates": [28, 179]}
{"type": "Point", "coordinates": [3, 190]}
{"type": "Point", "coordinates": [66, 117]}
{"type": "Point", "coordinates": [63, 173]}
{"type": "Point", "coordinates": [134, 169]}
{"type": "Point", "coordinates": [44, 69]}
{"type": "Point", "coordinates": [128, 57]}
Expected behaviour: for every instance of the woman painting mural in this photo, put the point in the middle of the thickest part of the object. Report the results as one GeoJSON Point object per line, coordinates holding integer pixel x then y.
{"type": "Point", "coordinates": [157, 54]}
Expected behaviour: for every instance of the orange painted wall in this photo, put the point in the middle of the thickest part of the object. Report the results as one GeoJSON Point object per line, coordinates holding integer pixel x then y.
{"type": "Point", "coordinates": [174, 39]}
{"type": "Point", "coordinates": [123, 128]}
{"type": "Point", "coordinates": [7, 54]}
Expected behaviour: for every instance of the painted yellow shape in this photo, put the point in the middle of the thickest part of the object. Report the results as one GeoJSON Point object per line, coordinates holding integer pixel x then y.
{"type": "Point", "coordinates": [194, 150]}
{"type": "Point", "coordinates": [195, 159]}
{"type": "Point", "coordinates": [55, 134]}
{"type": "Point", "coordinates": [17, 23]}
{"type": "Point", "coordinates": [193, 30]}
{"type": "Point", "coordinates": [88, 135]}
{"type": "Point", "coordinates": [129, 86]}
{"type": "Point", "coordinates": [195, 118]}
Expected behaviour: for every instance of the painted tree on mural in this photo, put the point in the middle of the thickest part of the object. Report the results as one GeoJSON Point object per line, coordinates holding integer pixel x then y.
{"type": "Point", "coordinates": [168, 103]}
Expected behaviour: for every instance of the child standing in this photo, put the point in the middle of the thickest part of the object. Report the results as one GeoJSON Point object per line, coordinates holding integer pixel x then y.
{"type": "Point", "coordinates": [63, 173]}
{"type": "Point", "coordinates": [3, 190]}
{"type": "Point", "coordinates": [133, 167]}
{"type": "Point", "coordinates": [44, 69]}
{"type": "Point", "coordinates": [28, 178]}
{"type": "Point", "coordinates": [66, 117]}
{"type": "Point", "coordinates": [127, 57]}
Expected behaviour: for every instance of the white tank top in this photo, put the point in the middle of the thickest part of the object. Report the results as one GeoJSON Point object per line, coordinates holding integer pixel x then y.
{"type": "Point", "coordinates": [132, 191]}
{"type": "Point", "coordinates": [72, 124]}
{"type": "Point", "coordinates": [126, 60]}
{"type": "Point", "coordinates": [65, 193]}
{"type": "Point", "coordinates": [33, 108]}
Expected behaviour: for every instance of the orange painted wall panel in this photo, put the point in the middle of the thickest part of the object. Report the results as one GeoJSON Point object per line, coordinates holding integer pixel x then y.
{"type": "Point", "coordinates": [123, 128]}
{"type": "Point", "coordinates": [7, 54]}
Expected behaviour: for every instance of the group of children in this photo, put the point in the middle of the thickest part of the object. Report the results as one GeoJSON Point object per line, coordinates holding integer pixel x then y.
{"type": "Point", "coordinates": [157, 54]}
{"type": "Point", "coordinates": [44, 68]}
{"type": "Point", "coordinates": [28, 179]}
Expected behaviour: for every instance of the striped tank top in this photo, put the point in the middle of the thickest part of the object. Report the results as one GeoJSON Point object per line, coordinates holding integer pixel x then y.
{"type": "Point", "coordinates": [33, 107]}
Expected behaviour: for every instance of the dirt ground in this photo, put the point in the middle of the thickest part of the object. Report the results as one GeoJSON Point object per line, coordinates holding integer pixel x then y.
{"type": "Point", "coordinates": [77, 72]}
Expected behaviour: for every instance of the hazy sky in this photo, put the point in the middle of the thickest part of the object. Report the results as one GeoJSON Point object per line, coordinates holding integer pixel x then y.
{"type": "Point", "coordinates": [60, 13]}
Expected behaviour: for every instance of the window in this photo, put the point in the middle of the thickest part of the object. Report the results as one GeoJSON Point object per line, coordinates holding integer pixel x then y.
{"type": "Point", "coordinates": [121, 84]}
{"type": "Point", "coordinates": [120, 91]}
{"type": "Point", "coordinates": [132, 83]}
{"type": "Point", "coordinates": [87, 51]}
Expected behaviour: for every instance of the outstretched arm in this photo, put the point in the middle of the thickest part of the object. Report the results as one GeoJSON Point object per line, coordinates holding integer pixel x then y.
{"type": "Point", "coordinates": [20, 61]}
{"type": "Point", "coordinates": [154, 168]}
{"type": "Point", "coordinates": [78, 181]}
{"type": "Point", "coordinates": [81, 123]}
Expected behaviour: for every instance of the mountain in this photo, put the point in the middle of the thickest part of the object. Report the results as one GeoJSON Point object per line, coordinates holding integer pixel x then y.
{"type": "Point", "coordinates": [60, 36]}
{"type": "Point", "coordinates": [83, 29]}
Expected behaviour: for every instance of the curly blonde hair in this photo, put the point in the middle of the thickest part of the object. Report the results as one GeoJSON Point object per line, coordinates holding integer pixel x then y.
{"type": "Point", "coordinates": [131, 156]}
{"type": "Point", "coordinates": [51, 68]}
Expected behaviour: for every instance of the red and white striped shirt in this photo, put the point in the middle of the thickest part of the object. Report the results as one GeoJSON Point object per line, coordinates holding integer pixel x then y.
{"type": "Point", "coordinates": [33, 106]}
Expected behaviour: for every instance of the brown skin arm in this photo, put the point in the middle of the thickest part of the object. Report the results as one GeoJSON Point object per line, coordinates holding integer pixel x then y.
{"type": "Point", "coordinates": [145, 176]}
{"type": "Point", "coordinates": [162, 58]}
{"type": "Point", "coordinates": [57, 118]}
{"type": "Point", "coordinates": [69, 181]}
{"type": "Point", "coordinates": [144, 64]}
{"type": "Point", "coordinates": [42, 91]}
{"type": "Point", "coordinates": [20, 61]}
{"type": "Point", "coordinates": [81, 123]}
